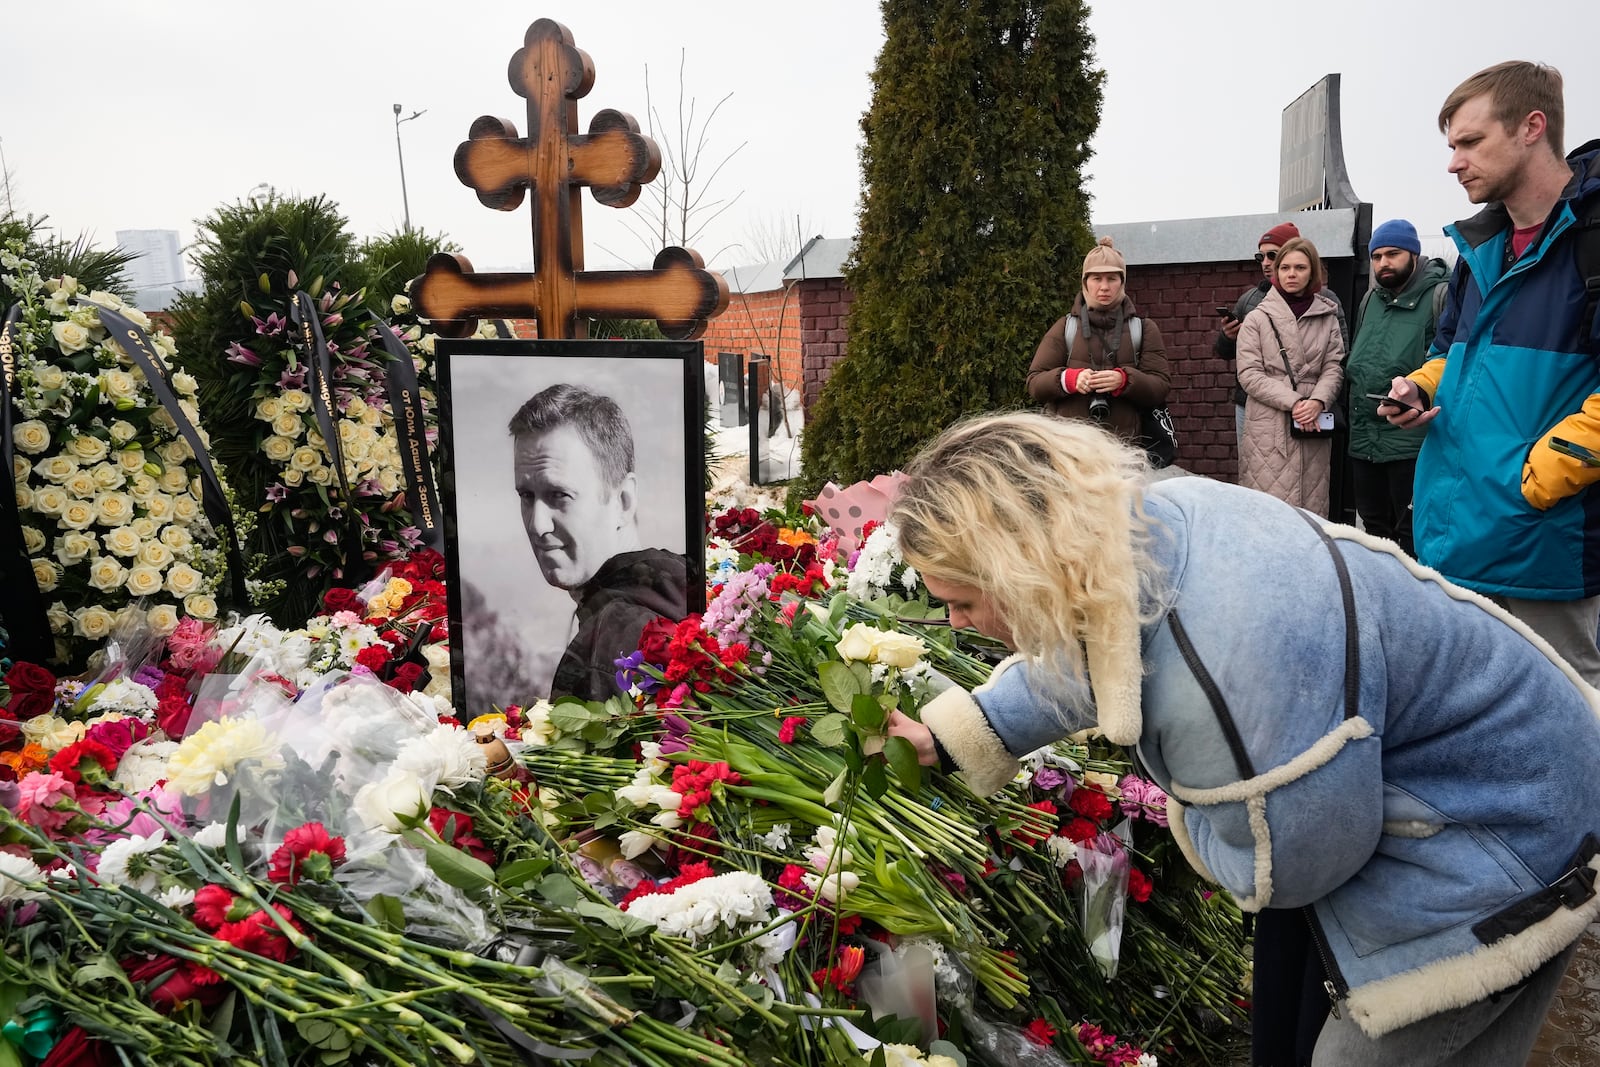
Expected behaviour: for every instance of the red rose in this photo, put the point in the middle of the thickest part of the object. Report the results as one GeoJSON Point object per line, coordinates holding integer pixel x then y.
{"type": "Point", "coordinates": [211, 906]}
{"type": "Point", "coordinates": [1139, 885]}
{"type": "Point", "coordinates": [185, 982]}
{"type": "Point", "coordinates": [1079, 831]}
{"type": "Point", "coordinates": [455, 827]}
{"type": "Point", "coordinates": [337, 600]}
{"type": "Point", "coordinates": [1090, 803]}
{"type": "Point", "coordinates": [406, 676]}
{"type": "Point", "coordinates": [374, 658]}
{"type": "Point", "coordinates": [172, 714]}
{"type": "Point", "coordinates": [33, 691]}
{"type": "Point", "coordinates": [77, 1049]}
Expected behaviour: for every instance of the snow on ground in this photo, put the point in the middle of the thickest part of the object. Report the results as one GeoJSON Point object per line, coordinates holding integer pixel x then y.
{"type": "Point", "coordinates": [730, 462]}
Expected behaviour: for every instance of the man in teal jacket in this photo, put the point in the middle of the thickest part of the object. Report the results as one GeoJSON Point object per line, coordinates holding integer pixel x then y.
{"type": "Point", "coordinates": [1394, 326]}
{"type": "Point", "coordinates": [1516, 365]}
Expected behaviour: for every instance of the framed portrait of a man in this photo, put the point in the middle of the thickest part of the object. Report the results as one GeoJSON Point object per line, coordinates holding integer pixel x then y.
{"type": "Point", "coordinates": [572, 476]}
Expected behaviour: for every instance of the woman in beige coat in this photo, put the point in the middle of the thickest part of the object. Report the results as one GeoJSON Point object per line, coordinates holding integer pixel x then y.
{"type": "Point", "coordinates": [1297, 325]}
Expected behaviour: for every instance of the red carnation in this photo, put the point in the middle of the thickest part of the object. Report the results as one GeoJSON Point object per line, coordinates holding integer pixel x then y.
{"type": "Point", "coordinates": [211, 906]}
{"type": "Point", "coordinates": [1080, 831]}
{"type": "Point", "coordinates": [1139, 885]}
{"type": "Point", "coordinates": [374, 658]}
{"type": "Point", "coordinates": [1040, 1033]}
{"type": "Point", "coordinates": [85, 761]}
{"type": "Point", "coordinates": [33, 691]}
{"type": "Point", "coordinates": [259, 933]}
{"type": "Point", "coordinates": [1091, 803]}
{"type": "Point", "coordinates": [308, 851]}
{"type": "Point", "coordinates": [184, 982]}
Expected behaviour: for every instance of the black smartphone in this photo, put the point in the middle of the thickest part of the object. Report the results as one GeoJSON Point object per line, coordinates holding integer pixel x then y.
{"type": "Point", "coordinates": [1224, 311]}
{"type": "Point", "coordinates": [1385, 398]}
{"type": "Point", "coordinates": [1578, 452]}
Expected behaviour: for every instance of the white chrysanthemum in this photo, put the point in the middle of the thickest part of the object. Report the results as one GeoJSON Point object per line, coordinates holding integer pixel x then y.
{"type": "Point", "coordinates": [126, 862]}
{"type": "Point", "coordinates": [1062, 850]}
{"type": "Point", "coordinates": [875, 565]}
{"type": "Point", "coordinates": [124, 694]}
{"type": "Point", "coordinates": [211, 835]}
{"type": "Point", "coordinates": [212, 754]}
{"type": "Point", "coordinates": [16, 874]}
{"type": "Point", "coordinates": [144, 764]}
{"type": "Point", "coordinates": [176, 897]}
{"type": "Point", "coordinates": [1147, 1059]}
{"type": "Point", "coordinates": [447, 754]}
{"type": "Point", "coordinates": [700, 909]}
{"type": "Point", "coordinates": [779, 838]}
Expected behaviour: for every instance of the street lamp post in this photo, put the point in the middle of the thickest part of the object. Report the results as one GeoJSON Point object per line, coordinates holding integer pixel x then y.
{"type": "Point", "coordinates": [400, 152]}
{"type": "Point", "coordinates": [7, 172]}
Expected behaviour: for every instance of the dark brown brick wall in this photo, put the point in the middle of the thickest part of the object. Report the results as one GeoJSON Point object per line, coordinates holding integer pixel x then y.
{"type": "Point", "coordinates": [824, 309]}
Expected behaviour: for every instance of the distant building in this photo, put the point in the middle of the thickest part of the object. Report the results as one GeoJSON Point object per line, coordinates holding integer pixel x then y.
{"type": "Point", "coordinates": [156, 273]}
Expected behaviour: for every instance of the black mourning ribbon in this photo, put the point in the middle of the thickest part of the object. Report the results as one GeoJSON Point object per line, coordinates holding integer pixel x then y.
{"type": "Point", "coordinates": [137, 345]}
{"type": "Point", "coordinates": [21, 602]}
{"type": "Point", "coordinates": [411, 439]}
{"type": "Point", "coordinates": [319, 364]}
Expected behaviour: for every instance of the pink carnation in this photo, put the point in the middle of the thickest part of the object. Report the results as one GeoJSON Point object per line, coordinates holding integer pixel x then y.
{"type": "Point", "coordinates": [38, 796]}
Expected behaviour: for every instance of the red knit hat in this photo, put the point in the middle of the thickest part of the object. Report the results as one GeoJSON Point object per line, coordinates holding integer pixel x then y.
{"type": "Point", "coordinates": [1279, 235]}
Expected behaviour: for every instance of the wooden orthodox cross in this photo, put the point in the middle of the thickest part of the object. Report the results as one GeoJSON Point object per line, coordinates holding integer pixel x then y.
{"type": "Point", "coordinates": [614, 160]}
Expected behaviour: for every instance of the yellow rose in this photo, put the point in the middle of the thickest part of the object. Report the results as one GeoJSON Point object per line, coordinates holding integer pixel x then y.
{"type": "Point", "coordinates": [142, 487]}
{"type": "Point", "coordinates": [118, 385]}
{"type": "Point", "coordinates": [57, 468]}
{"type": "Point", "coordinates": [33, 539]}
{"type": "Point", "coordinates": [20, 469]}
{"type": "Point", "coordinates": [159, 507]}
{"type": "Point", "coordinates": [86, 449]}
{"type": "Point", "coordinates": [25, 497]}
{"type": "Point", "coordinates": [70, 337]}
{"type": "Point", "coordinates": [73, 547]}
{"type": "Point", "coordinates": [320, 476]}
{"type": "Point", "coordinates": [305, 459]}
{"type": "Point", "coordinates": [185, 509]}
{"type": "Point", "coordinates": [289, 424]}
{"type": "Point", "coordinates": [51, 500]}
{"type": "Point", "coordinates": [108, 476]}
{"type": "Point", "coordinates": [163, 619]}
{"type": "Point", "coordinates": [93, 622]}
{"type": "Point", "coordinates": [143, 581]}
{"type": "Point", "coordinates": [174, 480]}
{"type": "Point", "coordinates": [131, 460]}
{"type": "Point", "coordinates": [155, 554]}
{"type": "Point", "coordinates": [122, 432]}
{"type": "Point", "coordinates": [52, 733]}
{"type": "Point", "coordinates": [114, 509]}
{"type": "Point", "coordinates": [46, 573]}
{"type": "Point", "coordinates": [176, 538]}
{"type": "Point", "coordinates": [183, 580]}
{"type": "Point", "coordinates": [81, 485]}
{"type": "Point", "coordinates": [296, 400]}
{"type": "Point", "coordinates": [144, 527]}
{"type": "Point", "coordinates": [278, 448]}
{"type": "Point", "coordinates": [268, 408]}
{"type": "Point", "coordinates": [122, 541]}
{"type": "Point", "coordinates": [32, 436]}
{"type": "Point", "coordinates": [77, 515]}
{"type": "Point", "coordinates": [106, 573]}
{"type": "Point", "coordinates": [200, 606]}
{"type": "Point", "coordinates": [292, 477]}
{"type": "Point", "coordinates": [49, 377]}
{"type": "Point", "coordinates": [356, 408]}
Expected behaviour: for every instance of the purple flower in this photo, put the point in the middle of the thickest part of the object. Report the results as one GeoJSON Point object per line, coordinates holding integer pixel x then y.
{"type": "Point", "coordinates": [676, 738]}
{"type": "Point", "coordinates": [292, 379]}
{"type": "Point", "coordinates": [629, 675]}
{"type": "Point", "coordinates": [238, 353]}
{"type": "Point", "coordinates": [272, 327]}
{"type": "Point", "coordinates": [149, 675]}
{"type": "Point", "coordinates": [277, 492]}
{"type": "Point", "coordinates": [9, 795]}
{"type": "Point", "coordinates": [1049, 778]}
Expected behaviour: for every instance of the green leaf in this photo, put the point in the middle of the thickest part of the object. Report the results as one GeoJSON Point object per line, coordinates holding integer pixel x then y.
{"type": "Point", "coordinates": [863, 673]}
{"type": "Point", "coordinates": [875, 777]}
{"type": "Point", "coordinates": [559, 890]}
{"type": "Point", "coordinates": [839, 684]}
{"type": "Point", "coordinates": [867, 713]}
{"type": "Point", "coordinates": [452, 865]}
{"type": "Point", "coordinates": [835, 790]}
{"type": "Point", "coordinates": [902, 756]}
{"type": "Point", "coordinates": [388, 911]}
{"type": "Point", "coordinates": [323, 1034]}
{"type": "Point", "coordinates": [830, 730]}
{"type": "Point", "coordinates": [945, 1048]}
{"type": "Point", "coordinates": [517, 872]}
{"type": "Point", "coordinates": [101, 968]}
{"type": "Point", "coordinates": [222, 1018]}
{"type": "Point", "coordinates": [9, 1056]}
{"type": "Point", "coordinates": [620, 921]}
{"type": "Point", "coordinates": [230, 837]}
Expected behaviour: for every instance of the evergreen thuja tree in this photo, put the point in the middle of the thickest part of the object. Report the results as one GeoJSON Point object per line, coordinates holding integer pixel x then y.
{"type": "Point", "coordinates": [972, 227]}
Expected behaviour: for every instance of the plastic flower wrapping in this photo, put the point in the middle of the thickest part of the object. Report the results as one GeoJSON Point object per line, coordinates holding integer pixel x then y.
{"type": "Point", "coordinates": [108, 492]}
{"type": "Point", "coordinates": [288, 839]}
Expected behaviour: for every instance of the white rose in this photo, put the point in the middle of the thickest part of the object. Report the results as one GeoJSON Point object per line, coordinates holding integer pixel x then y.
{"type": "Point", "coordinates": [278, 448]}
{"type": "Point", "coordinates": [81, 485]}
{"type": "Point", "coordinates": [268, 408]}
{"type": "Point", "coordinates": [144, 581]}
{"type": "Point", "coordinates": [70, 337]}
{"type": "Point", "coordinates": [77, 515]}
{"type": "Point", "coordinates": [185, 510]}
{"type": "Point", "coordinates": [58, 618]}
{"type": "Point", "coordinates": [108, 476]}
{"type": "Point", "coordinates": [296, 400]}
{"type": "Point", "coordinates": [200, 606]}
{"type": "Point", "coordinates": [305, 459]}
{"type": "Point", "coordinates": [158, 507]}
{"type": "Point", "coordinates": [185, 383]}
{"type": "Point", "coordinates": [106, 573]}
{"type": "Point", "coordinates": [122, 432]}
{"type": "Point", "coordinates": [398, 798]}
{"type": "Point", "coordinates": [46, 573]}
{"type": "Point", "coordinates": [356, 408]}
{"type": "Point", "coordinates": [427, 342]}
{"type": "Point", "coordinates": [866, 643]}
{"type": "Point", "coordinates": [114, 509]}
{"type": "Point", "coordinates": [131, 460]}
{"type": "Point", "coordinates": [399, 304]}
{"type": "Point", "coordinates": [320, 476]}
{"type": "Point", "coordinates": [183, 580]}
{"type": "Point", "coordinates": [176, 538]}
{"type": "Point", "coordinates": [142, 487]}
{"type": "Point", "coordinates": [20, 469]}
{"type": "Point", "coordinates": [57, 468]}
{"type": "Point", "coordinates": [118, 385]}
{"type": "Point", "coordinates": [163, 619]}
{"type": "Point", "coordinates": [51, 500]}
{"type": "Point", "coordinates": [49, 377]}
{"type": "Point", "coordinates": [389, 481]}
{"type": "Point", "coordinates": [372, 417]}
{"type": "Point", "coordinates": [122, 541]}
{"type": "Point", "coordinates": [173, 453]}
{"type": "Point", "coordinates": [155, 554]}
{"type": "Point", "coordinates": [73, 547]}
{"type": "Point", "coordinates": [32, 436]}
{"type": "Point", "coordinates": [174, 480]}
{"type": "Point", "coordinates": [289, 424]}
{"type": "Point", "coordinates": [33, 539]}
{"type": "Point", "coordinates": [292, 477]}
{"type": "Point", "coordinates": [105, 299]}
{"type": "Point", "coordinates": [93, 623]}
{"type": "Point", "coordinates": [144, 527]}
{"type": "Point", "coordinates": [86, 449]}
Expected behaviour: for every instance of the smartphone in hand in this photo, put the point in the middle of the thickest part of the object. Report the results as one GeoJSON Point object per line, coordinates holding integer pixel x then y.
{"type": "Point", "coordinates": [1224, 312]}
{"type": "Point", "coordinates": [1385, 398]}
{"type": "Point", "coordinates": [1576, 451]}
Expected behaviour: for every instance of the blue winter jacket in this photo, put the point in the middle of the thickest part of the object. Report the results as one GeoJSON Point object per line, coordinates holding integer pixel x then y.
{"type": "Point", "coordinates": [1495, 508]}
{"type": "Point", "coordinates": [1422, 825]}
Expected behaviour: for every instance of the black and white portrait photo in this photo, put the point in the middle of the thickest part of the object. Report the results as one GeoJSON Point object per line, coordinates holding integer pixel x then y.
{"type": "Point", "coordinates": [573, 485]}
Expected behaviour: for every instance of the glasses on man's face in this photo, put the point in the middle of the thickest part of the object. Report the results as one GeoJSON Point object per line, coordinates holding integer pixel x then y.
{"type": "Point", "coordinates": [1265, 257]}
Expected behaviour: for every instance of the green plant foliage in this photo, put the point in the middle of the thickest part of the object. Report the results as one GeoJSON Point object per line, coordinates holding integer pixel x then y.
{"type": "Point", "coordinates": [394, 260]}
{"type": "Point", "coordinates": [974, 220]}
{"type": "Point", "coordinates": [55, 256]}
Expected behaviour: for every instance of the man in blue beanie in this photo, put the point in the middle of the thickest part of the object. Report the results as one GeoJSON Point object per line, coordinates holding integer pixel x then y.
{"type": "Point", "coordinates": [1394, 325]}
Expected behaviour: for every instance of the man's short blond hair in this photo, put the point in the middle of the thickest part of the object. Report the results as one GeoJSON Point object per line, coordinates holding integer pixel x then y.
{"type": "Point", "coordinates": [1515, 88]}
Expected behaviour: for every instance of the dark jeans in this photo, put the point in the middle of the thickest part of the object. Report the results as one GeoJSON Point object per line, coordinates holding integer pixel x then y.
{"type": "Point", "coordinates": [1288, 1002]}
{"type": "Point", "coordinates": [1383, 499]}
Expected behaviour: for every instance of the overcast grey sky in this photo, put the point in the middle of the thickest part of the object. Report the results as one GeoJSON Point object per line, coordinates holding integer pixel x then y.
{"type": "Point", "coordinates": [147, 116]}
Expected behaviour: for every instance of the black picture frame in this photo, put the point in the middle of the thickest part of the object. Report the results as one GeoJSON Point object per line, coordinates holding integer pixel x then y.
{"type": "Point", "coordinates": [508, 626]}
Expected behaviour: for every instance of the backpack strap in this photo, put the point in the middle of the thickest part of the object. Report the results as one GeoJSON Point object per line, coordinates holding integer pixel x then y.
{"type": "Point", "coordinates": [1135, 332]}
{"type": "Point", "coordinates": [1361, 316]}
{"type": "Point", "coordinates": [1587, 252]}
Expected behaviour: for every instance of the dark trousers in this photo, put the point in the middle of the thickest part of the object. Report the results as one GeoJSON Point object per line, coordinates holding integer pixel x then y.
{"type": "Point", "coordinates": [1383, 499]}
{"type": "Point", "coordinates": [1288, 1002]}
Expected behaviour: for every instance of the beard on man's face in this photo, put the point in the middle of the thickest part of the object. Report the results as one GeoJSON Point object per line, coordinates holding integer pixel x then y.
{"type": "Point", "coordinates": [1396, 277]}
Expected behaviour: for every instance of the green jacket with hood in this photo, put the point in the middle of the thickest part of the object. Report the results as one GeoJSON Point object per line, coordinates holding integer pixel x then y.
{"type": "Point", "coordinates": [1392, 335]}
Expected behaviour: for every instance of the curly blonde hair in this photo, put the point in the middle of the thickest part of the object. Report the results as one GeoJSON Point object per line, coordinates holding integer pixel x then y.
{"type": "Point", "coordinates": [1044, 515]}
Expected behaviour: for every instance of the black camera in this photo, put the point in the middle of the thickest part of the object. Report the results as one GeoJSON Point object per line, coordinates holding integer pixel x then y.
{"type": "Point", "coordinates": [1099, 407]}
